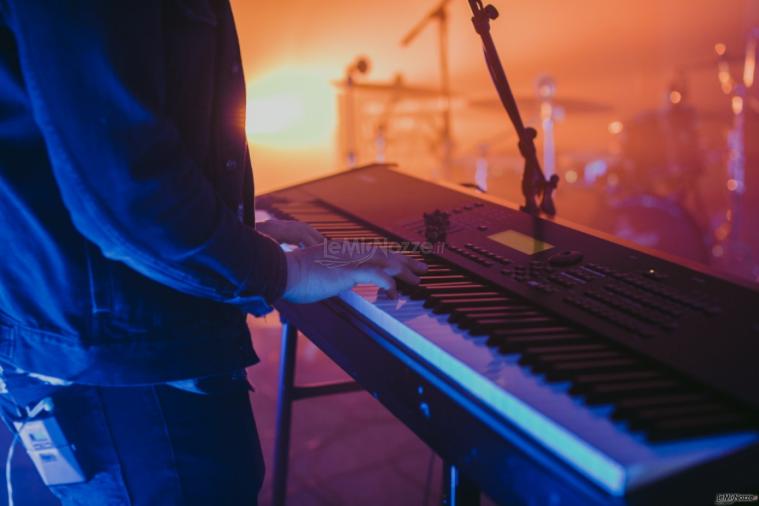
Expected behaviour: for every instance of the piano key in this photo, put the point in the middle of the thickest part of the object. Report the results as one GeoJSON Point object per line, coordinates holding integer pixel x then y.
{"type": "Point", "coordinates": [514, 305]}
{"type": "Point", "coordinates": [583, 382]}
{"type": "Point", "coordinates": [430, 292]}
{"type": "Point", "coordinates": [517, 341]}
{"type": "Point", "coordinates": [432, 288]}
{"type": "Point", "coordinates": [448, 302]}
{"type": "Point", "coordinates": [499, 334]}
{"type": "Point", "coordinates": [482, 327]}
{"type": "Point", "coordinates": [335, 225]}
{"type": "Point", "coordinates": [441, 278]}
{"type": "Point", "coordinates": [606, 392]}
{"type": "Point", "coordinates": [626, 408]}
{"type": "Point", "coordinates": [567, 370]}
{"type": "Point", "coordinates": [541, 363]}
{"type": "Point", "coordinates": [680, 410]}
{"type": "Point", "coordinates": [647, 419]}
{"type": "Point", "coordinates": [467, 319]}
{"type": "Point", "coordinates": [567, 353]}
{"type": "Point", "coordinates": [692, 427]}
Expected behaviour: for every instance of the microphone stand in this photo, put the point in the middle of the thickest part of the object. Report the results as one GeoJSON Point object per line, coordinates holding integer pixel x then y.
{"type": "Point", "coordinates": [534, 182]}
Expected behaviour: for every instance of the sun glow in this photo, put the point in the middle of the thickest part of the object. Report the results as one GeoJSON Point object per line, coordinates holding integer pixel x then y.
{"type": "Point", "coordinates": [291, 107]}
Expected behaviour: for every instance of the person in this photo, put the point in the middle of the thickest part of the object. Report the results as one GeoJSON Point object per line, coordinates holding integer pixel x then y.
{"type": "Point", "coordinates": [130, 255]}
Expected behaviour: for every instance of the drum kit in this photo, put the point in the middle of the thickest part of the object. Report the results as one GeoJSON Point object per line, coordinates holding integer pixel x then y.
{"type": "Point", "coordinates": [676, 179]}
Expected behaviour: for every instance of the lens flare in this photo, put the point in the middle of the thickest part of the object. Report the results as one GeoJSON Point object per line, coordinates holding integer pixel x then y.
{"type": "Point", "coordinates": [291, 107]}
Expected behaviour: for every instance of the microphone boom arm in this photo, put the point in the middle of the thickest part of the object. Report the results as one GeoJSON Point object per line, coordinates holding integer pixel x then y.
{"type": "Point", "coordinates": [534, 183]}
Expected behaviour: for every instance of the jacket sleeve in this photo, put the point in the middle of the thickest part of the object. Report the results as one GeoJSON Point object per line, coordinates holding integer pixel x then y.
{"type": "Point", "coordinates": [94, 72]}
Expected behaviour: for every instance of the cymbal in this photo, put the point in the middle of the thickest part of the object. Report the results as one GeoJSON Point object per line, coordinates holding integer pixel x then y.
{"type": "Point", "coordinates": [397, 87]}
{"type": "Point", "coordinates": [695, 114]}
{"type": "Point", "coordinates": [532, 103]}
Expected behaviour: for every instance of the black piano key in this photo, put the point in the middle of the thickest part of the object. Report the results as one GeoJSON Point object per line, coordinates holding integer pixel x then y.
{"type": "Point", "coordinates": [676, 428]}
{"type": "Point", "coordinates": [444, 306]}
{"type": "Point", "coordinates": [539, 362]}
{"type": "Point", "coordinates": [342, 229]}
{"type": "Point", "coordinates": [626, 408]}
{"type": "Point", "coordinates": [321, 219]}
{"type": "Point", "coordinates": [513, 305]}
{"type": "Point", "coordinates": [447, 303]}
{"type": "Point", "coordinates": [603, 393]}
{"type": "Point", "coordinates": [484, 326]}
{"type": "Point", "coordinates": [433, 269]}
{"type": "Point", "coordinates": [648, 418]}
{"type": "Point", "coordinates": [423, 291]}
{"type": "Point", "coordinates": [618, 376]}
{"type": "Point", "coordinates": [567, 370]}
{"type": "Point", "coordinates": [466, 312]}
{"type": "Point", "coordinates": [335, 225]}
{"type": "Point", "coordinates": [441, 278]}
{"type": "Point", "coordinates": [474, 296]}
{"type": "Point", "coordinates": [429, 291]}
{"type": "Point", "coordinates": [517, 340]}
{"type": "Point", "coordinates": [583, 382]}
{"type": "Point", "coordinates": [544, 362]}
{"type": "Point", "coordinates": [560, 350]}
{"type": "Point", "coordinates": [466, 320]}
{"type": "Point", "coordinates": [434, 288]}
{"type": "Point", "coordinates": [351, 236]}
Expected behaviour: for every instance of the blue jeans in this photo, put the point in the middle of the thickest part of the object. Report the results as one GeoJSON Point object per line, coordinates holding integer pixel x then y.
{"type": "Point", "coordinates": [188, 443]}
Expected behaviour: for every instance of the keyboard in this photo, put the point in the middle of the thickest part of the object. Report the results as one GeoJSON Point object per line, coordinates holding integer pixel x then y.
{"type": "Point", "coordinates": [621, 371]}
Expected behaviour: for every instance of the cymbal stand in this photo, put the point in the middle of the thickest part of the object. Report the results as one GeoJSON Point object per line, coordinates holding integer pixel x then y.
{"type": "Point", "coordinates": [534, 182]}
{"type": "Point", "coordinates": [546, 88]}
{"type": "Point", "coordinates": [382, 124]}
{"type": "Point", "coordinates": [440, 14]}
{"type": "Point", "coordinates": [359, 66]}
{"type": "Point", "coordinates": [736, 253]}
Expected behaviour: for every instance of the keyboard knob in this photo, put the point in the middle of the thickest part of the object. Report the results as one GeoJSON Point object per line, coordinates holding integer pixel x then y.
{"type": "Point", "coordinates": [566, 258]}
{"type": "Point", "coordinates": [436, 226]}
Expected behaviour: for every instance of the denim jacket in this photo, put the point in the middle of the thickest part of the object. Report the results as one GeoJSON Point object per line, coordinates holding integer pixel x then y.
{"type": "Point", "coordinates": [128, 250]}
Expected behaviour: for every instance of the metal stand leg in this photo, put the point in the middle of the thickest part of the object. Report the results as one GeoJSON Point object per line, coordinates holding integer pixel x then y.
{"type": "Point", "coordinates": [284, 412]}
{"type": "Point", "coordinates": [289, 392]}
{"type": "Point", "coordinates": [457, 489]}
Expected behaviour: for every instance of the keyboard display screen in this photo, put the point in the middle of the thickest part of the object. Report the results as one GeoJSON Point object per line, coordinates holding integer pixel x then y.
{"type": "Point", "coordinates": [520, 242]}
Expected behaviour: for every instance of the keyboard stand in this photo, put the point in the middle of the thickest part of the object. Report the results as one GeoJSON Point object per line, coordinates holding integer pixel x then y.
{"type": "Point", "coordinates": [457, 489]}
{"type": "Point", "coordinates": [289, 392]}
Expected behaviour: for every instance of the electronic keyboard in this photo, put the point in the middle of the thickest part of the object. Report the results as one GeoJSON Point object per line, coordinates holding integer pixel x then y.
{"type": "Point", "coordinates": [551, 364]}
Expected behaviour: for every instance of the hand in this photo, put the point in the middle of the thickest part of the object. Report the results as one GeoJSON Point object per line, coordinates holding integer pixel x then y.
{"type": "Point", "coordinates": [290, 232]}
{"type": "Point", "coordinates": [322, 271]}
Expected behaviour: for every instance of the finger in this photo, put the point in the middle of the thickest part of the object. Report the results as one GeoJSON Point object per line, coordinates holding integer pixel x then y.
{"type": "Point", "coordinates": [375, 276]}
{"type": "Point", "coordinates": [388, 294]}
{"type": "Point", "coordinates": [406, 276]}
{"type": "Point", "coordinates": [313, 237]}
{"type": "Point", "coordinates": [396, 263]}
{"type": "Point", "coordinates": [316, 233]}
{"type": "Point", "coordinates": [414, 265]}
{"type": "Point", "coordinates": [309, 240]}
